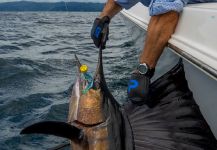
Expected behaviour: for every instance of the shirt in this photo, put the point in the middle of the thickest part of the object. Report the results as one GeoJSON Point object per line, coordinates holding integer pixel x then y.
{"type": "Point", "coordinates": [156, 7]}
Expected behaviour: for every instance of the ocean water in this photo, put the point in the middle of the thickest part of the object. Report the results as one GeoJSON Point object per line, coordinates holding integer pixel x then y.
{"type": "Point", "coordinates": [37, 69]}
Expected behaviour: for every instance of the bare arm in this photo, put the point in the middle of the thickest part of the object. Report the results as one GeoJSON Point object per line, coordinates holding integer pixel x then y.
{"type": "Point", "coordinates": [111, 9]}
{"type": "Point", "coordinates": [160, 29]}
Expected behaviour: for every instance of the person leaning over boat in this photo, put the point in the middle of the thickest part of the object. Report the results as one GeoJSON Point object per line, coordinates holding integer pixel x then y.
{"type": "Point", "coordinates": [164, 18]}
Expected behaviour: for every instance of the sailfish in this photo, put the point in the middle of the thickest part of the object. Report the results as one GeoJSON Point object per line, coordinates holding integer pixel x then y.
{"type": "Point", "coordinates": [96, 121]}
{"type": "Point", "coordinates": [170, 120]}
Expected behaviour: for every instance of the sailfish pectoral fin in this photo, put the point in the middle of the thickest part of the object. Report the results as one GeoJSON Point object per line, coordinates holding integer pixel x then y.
{"type": "Point", "coordinates": [56, 128]}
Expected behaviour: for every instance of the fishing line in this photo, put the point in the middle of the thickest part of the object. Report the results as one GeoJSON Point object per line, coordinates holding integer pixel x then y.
{"type": "Point", "coordinates": [74, 44]}
{"type": "Point", "coordinates": [68, 13]}
{"type": "Point", "coordinates": [86, 76]}
{"type": "Point", "coordinates": [66, 6]}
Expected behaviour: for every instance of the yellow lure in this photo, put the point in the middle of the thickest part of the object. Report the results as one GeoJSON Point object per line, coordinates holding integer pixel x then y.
{"type": "Point", "coordinates": [83, 68]}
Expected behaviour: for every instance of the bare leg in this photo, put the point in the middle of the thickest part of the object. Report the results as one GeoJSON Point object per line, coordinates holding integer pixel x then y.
{"type": "Point", "coordinates": [160, 29]}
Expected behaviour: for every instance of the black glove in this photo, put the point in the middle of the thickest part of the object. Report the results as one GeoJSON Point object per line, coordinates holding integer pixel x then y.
{"type": "Point", "coordinates": [100, 27]}
{"type": "Point", "coordinates": [138, 88]}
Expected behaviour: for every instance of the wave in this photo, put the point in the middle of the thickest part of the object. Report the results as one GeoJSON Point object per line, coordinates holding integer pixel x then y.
{"type": "Point", "coordinates": [5, 49]}
{"type": "Point", "coordinates": [38, 68]}
{"type": "Point", "coordinates": [44, 22]}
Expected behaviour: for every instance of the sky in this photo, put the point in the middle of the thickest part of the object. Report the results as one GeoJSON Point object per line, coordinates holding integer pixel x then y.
{"type": "Point", "coordinates": [1, 1]}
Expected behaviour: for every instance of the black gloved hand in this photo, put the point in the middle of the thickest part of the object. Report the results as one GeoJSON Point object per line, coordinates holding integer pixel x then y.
{"type": "Point", "coordinates": [138, 88]}
{"type": "Point", "coordinates": [99, 26]}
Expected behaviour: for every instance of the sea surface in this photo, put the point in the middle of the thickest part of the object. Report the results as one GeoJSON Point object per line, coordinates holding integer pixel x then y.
{"type": "Point", "coordinates": [37, 69]}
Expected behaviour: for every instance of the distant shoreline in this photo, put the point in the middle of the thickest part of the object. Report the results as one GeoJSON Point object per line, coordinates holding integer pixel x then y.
{"type": "Point", "coordinates": [49, 11]}
{"type": "Point", "coordinates": [27, 6]}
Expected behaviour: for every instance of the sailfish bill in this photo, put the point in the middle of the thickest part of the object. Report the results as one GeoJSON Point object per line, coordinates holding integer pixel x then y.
{"type": "Point", "coordinates": [170, 120]}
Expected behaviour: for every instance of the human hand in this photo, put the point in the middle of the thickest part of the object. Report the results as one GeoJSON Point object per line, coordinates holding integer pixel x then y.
{"type": "Point", "coordinates": [138, 88]}
{"type": "Point", "coordinates": [100, 27]}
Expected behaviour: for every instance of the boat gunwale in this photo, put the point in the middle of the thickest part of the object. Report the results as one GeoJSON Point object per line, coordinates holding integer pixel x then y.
{"type": "Point", "coordinates": [194, 61]}
{"type": "Point", "coordinates": [183, 54]}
